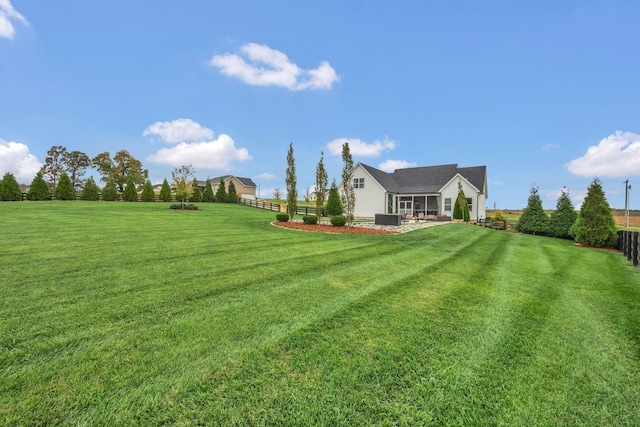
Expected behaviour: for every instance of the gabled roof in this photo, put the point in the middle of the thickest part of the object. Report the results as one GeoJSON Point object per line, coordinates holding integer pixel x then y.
{"type": "Point", "coordinates": [247, 182]}
{"type": "Point", "coordinates": [426, 179]}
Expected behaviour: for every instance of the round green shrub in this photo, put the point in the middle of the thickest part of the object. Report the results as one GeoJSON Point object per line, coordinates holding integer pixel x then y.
{"type": "Point", "coordinates": [282, 217]}
{"type": "Point", "coordinates": [338, 220]}
{"type": "Point", "coordinates": [310, 219]}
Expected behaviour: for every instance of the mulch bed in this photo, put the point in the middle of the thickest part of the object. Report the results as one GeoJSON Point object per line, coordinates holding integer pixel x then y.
{"type": "Point", "coordinates": [326, 228]}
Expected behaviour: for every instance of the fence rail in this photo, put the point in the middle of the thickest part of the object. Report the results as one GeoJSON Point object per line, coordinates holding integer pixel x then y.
{"type": "Point", "coordinates": [260, 204]}
{"type": "Point", "coordinates": [628, 242]}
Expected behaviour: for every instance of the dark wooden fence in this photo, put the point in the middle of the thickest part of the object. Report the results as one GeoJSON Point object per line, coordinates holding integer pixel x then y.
{"type": "Point", "coordinates": [79, 197]}
{"type": "Point", "coordinates": [496, 224]}
{"type": "Point", "coordinates": [628, 242]}
{"type": "Point", "coordinates": [260, 204]}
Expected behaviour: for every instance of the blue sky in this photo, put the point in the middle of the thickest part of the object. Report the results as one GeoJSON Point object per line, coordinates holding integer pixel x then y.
{"type": "Point", "coordinates": [541, 92]}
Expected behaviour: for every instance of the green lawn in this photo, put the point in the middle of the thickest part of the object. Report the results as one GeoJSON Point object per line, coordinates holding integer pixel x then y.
{"type": "Point", "coordinates": [135, 314]}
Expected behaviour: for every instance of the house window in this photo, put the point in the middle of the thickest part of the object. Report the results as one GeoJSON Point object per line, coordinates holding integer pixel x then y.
{"type": "Point", "coordinates": [447, 204]}
{"type": "Point", "coordinates": [470, 204]}
{"type": "Point", "coordinates": [358, 182]}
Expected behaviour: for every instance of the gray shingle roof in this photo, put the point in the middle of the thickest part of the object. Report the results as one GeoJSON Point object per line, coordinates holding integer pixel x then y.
{"type": "Point", "coordinates": [247, 182]}
{"type": "Point", "coordinates": [426, 179]}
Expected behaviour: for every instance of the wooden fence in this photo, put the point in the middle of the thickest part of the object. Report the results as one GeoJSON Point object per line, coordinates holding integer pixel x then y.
{"type": "Point", "coordinates": [260, 204]}
{"type": "Point", "coordinates": [628, 242]}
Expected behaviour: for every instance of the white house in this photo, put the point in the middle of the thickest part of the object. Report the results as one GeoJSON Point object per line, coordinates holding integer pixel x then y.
{"type": "Point", "coordinates": [430, 190]}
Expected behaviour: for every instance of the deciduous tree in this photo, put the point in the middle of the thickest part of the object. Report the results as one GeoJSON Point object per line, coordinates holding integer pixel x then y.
{"type": "Point", "coordinates": [291, 181]}
{"type": "Point", "coordinates": [76, 164]}
{"type": "Point", "coordinates": [182, 178]}
{"type": "Point", "coordinates": [120, 168]}
{"type": "Point", "coordinates": [54, 164]}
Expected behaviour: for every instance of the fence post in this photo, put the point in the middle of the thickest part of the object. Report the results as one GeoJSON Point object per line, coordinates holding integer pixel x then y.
{"type": "Point", "coordinates": [635, 248]}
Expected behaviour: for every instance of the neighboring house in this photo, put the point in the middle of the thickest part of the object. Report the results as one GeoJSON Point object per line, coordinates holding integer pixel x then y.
{"type": "Point", "coordinates": [245, 187]}
{"type": "Point", "coordinates": [430, 190]}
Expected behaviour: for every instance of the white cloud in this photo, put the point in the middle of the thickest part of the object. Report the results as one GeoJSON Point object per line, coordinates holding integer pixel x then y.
{"type": "Point", "coordinates": [391, 165]}
{"type": "Point", "coordinates": [266, 176]}
{"type": "Point", "coordinates": [617, 155]}
{"type": "Point", "coordinates": [218, 154]}
{"type": "Point", "coordinates": [180, 130]}
{"type": "Point", "coordinates": [16, 159]}
{"type": "Point", "coordinates": [8, 14]}
{"type": "Point", "coordinates": [361, 148]}
{"type": "Point", "coordinates": [271, 67]}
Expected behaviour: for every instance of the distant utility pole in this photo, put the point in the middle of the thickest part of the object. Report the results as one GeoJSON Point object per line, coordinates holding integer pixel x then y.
{"type": "Point", "coordinates": [627, 187]}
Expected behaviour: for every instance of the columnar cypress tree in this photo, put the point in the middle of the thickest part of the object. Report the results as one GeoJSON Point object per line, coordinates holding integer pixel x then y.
{"type": "Point", "coordinates": [39, 189]}
{"type": "Point", "coordinates": [64, 190]}
{"type": "Point", "coordinates": [563, 218]}
{"type": "Point", "coordinates": [595, 225]}
{"type": "Point", "coordinates": [165, 191]}
{"type": "Point", "coordinates": [291, 180]}
{"type": "Point", "coordinates": [90, 190]}
{"type": "Point", "coordinates": [461, 207]}
{"type": "Point", "coordinates": [221, 193]}
{"type": "Point", "coordinates": [321, 185]}
{"type": "Point", "coordinates": [130, 194]}
{"type": "Point", "coordinates": [334, 204]}
{"type": "Point", "coordinates": [348, 193]}
{"type": "Point", "coordinates": [232, 195]}
{"type": "Point", "coordinates": [534, 219]}
{"type": "Point", "coordinates": [10, 189]}
{"type": "Point", "coordinates": [196, 194]}
{"type": "Point", "coordinates": [148, 194]}
{"type": "Point", "coordinates": [110, 191]}
{"type": "Point", "coordinates": [208, 195]}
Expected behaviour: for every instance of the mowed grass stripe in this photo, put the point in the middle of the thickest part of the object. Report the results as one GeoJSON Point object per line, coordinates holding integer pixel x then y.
{"type": "Point", "coordinates": [450, 325]}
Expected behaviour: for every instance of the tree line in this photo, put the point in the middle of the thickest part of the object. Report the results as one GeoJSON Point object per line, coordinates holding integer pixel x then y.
{"type": "Point", "coordinates": [592, 226]}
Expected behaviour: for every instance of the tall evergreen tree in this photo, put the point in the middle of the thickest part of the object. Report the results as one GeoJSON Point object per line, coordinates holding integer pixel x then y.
{"type": "Point", "coordinates": [39, 189]}
{"type": "Point", "coordinates": [534, 219]}
{"type": "Point", "coordinates": [564, 217]}
{"type": "Point", "coordinates": [148, 195]}
{"type": "Point", "coordinates": [348, 192]}
{"type": "Point", "coordinates": [322, 179]}
{"type": "Point", "coordinates": [461, 208]}
{"type": "Point", "coordinates": [10, 189]}
{"type": "Point", "coordinates": [221, 193]}
{"type": "Point", "coordinates": [110, 191]}
{"type": "Point", "coordinates": [334, 204]}
{"type": "Point", "coordinates": [595, 225]}
{"type": "Point", "coordinates": [130, 194]}
{"type": "Point", "coordinates": [196, 194]}
{"type": "Point", "coordinates": [291, 181]}
{"type": "Point", "coordinates": [64, 190]}
{"type": "Point", "coordinates": [207, 195]}
{"type": "Point", "coordinates": [90, 191]}
{"type": "Point", "coordinates": [165, 191]}
{"type": "Point", "coordinates": [232, 195]}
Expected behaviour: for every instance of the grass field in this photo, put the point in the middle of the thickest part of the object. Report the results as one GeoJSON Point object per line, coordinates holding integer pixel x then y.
{"type": "Point", "coordinates": [134, 314]}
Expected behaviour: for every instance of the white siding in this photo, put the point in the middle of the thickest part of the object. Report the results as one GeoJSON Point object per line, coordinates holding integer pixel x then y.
{"type": "Point", "coordinates": [371, 199]}
{"type": "Point", "coordinates": [479, 200]}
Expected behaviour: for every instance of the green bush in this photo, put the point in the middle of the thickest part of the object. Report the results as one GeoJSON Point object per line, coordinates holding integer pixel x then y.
{"type": "Point", "coordinates": [334, 204]}
{"type": "Point", "coordinates": [338, 220]}
{"type": "Point", "coordinates": [189, 207]}
{"type": "Point", "coordinates": [39, 189]}
{"type": "Point", "coordinates": [534, 219]}
{"type": "Point", "coordinates": [282, 217]}
{"type": "Point", "coordinates": [310, 219]}
{"type": "Point", "coordinates": [221, 193]}
{"type": "Point", "coordinates": [208, 195]}
{"type": "Point", "coordinates": [196, 194]}
{"type": "Point", "coordinates": [232, 195]}
{"type": "Point", "coordinates": [90, 190]}
{"type": "Point", "coordinates": [563, 218]}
